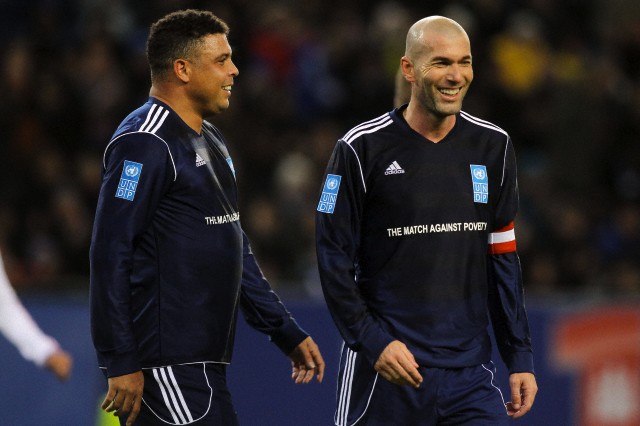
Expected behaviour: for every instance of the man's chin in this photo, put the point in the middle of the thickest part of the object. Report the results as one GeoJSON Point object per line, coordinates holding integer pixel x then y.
{"type": "Point", "coordinates": [217, 110]}
{"type": "Point", "coordinates": [451, 109]}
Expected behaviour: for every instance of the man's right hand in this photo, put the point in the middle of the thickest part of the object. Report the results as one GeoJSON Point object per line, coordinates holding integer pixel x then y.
{"type": "Point", "coordinates": [60, 363]}
{"type": "Point", "coordinates": [125, 396]}
{"type": "Point", "coordinates": [397, 364]}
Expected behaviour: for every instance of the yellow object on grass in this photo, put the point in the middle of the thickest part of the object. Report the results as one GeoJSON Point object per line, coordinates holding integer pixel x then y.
{"type": "Point", "coordinates": [105, 419]}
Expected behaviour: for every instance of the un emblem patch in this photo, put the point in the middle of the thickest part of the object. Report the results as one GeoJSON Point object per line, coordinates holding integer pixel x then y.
{"type": "Point", "coordinates": [129, 180]}
{"type": "Point", "coordinates": [480, 181]}
{"type": "Point", "coordinates": [329, 194]}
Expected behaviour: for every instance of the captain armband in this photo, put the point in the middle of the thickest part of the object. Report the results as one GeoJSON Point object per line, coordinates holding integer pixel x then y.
{"type": "Point", "coordinates": [502, 240]}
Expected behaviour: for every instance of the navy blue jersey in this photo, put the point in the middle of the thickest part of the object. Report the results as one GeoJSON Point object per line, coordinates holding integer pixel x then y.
{"type": "Point", "coordinates": [415, 242]}
{"type": "Point", "coordinates": [169, 260]}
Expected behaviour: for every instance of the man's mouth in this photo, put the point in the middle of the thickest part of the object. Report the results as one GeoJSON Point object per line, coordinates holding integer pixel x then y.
{"type": "Point", "coordinates": [227, 88]}
{"type": "Point", "coordinates": [450, 92]}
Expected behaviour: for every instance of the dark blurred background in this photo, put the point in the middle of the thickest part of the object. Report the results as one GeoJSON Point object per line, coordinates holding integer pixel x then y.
{"type": "Point", "coordinates": [562, 77]}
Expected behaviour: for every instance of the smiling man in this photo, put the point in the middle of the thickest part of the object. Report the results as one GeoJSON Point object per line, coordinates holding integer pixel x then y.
{"type": "Point", "coordinates": [170, 263]}
{"type": "Point", "coordinates": [416, 251]}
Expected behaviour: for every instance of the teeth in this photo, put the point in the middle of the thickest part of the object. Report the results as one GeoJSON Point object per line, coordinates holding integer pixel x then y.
{"type": "Point", "coordinates": [449, 91]}
{"type": "Point", "coordinates": [226, 88]}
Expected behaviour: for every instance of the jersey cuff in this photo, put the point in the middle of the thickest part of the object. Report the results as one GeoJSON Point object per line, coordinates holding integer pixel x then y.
{"type": "Point", "coordinates": [287, 337]}
{"type": "Point", "coordinates": [374, 345]}
{"type": "Point", "coordinates": [520, 362]}
{"type": "Point", "coordinates": [121, 364]}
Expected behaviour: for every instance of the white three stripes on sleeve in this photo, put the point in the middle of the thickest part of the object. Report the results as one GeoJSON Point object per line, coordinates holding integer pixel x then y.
{"type": "Point", "coordinates": [366, 125]}
{"type": "Point", "coordinates": [365, 128]}
{"type": "Point", "coordinates": [154, 116]}
{"type": "Point", "coordinates": [148, 123]}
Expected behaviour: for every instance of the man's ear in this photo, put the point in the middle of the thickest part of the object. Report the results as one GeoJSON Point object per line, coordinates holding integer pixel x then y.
{"type": "Point", "coordinates": [182, 70]}
{"type": "Point", "coordinates": [406, 66]}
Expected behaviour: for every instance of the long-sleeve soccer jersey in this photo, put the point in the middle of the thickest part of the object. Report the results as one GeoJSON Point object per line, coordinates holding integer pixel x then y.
{"type": "Point", "coordinates": [169, 260]}
{"type": "Point", "coordinates": [415, 242]}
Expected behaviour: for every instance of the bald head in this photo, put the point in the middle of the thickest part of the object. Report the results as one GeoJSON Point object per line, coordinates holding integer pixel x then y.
{"type": "Point", "coordinates": [422, 32]}
{"type": "Point", "coordinates": [438, 65]}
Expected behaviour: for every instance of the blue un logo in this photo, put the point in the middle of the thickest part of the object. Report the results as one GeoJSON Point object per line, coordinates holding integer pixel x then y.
{"type": "Point", "coordinates": [329, 194]}
{"type": "Point", "coordinates": [480, 181]}
{"type": "Point", "coordinates": [129, 180]}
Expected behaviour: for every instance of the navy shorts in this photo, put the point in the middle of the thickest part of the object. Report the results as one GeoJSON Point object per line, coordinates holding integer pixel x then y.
{"type": "Point", "coordinates": [186, 394]}
{"type": "Point", "coordinates": [447, 396]}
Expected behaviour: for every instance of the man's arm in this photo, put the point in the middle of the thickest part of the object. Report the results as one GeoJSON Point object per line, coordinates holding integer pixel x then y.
{"type": "Point", "coordinates": [508, 313]}
{"type": "Point", "coordinates": [265, 312]}
{"type": "Point", "coordinates": [20, 329]}
{"type": "Point", "coordinates": [118, 224]}
{"type": "Point", "coordinates": [511, 329]}
{"type": "Point", "coordinates": [338, 219]}
{"type": "Point", "coordinates": [506, 295]}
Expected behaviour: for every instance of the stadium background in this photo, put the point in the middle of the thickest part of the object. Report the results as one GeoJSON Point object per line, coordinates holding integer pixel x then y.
{"type": "Point", "coordinates": [563, 78]}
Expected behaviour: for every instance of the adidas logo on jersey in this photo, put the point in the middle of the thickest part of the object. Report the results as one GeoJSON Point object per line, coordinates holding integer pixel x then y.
{"type": "Point", "coordinates": [199, 160]}
{"type": "Point", "coordinates": [394, 169]}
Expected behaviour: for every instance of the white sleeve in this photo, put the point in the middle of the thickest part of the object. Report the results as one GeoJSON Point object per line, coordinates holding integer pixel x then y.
{"type": "Point", "coordinates": [19, 327]}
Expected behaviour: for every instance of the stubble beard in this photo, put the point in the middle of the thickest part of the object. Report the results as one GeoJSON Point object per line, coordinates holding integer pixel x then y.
{"type": "Point", "coordinates": [438, 107]}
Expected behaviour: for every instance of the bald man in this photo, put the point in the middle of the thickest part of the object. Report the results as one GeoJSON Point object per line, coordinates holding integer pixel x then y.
{"type": "Point", "coordinates": [416, 251]}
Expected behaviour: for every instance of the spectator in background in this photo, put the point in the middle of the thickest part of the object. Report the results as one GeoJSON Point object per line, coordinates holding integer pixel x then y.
{"type": "Point", "coordinates": [20, 329]}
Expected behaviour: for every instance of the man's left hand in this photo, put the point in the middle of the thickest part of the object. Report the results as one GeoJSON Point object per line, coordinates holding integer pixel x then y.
{"type": "Point", "coordinates": [523, 392]}
{"type": "Point", "coordinates": [306, 361]}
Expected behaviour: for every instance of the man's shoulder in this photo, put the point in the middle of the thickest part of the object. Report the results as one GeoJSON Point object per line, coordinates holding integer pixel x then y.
{"type": "Point", "coordinates": [149, 118]}
{"type": "Point", "coordinates": [144, 129]}
{"type": "Point", "coordinates": [369, 127]}
{"type": "Point", "coordinates": [480, 125]}
{"type": "Point", "coordinates": [153, 122]}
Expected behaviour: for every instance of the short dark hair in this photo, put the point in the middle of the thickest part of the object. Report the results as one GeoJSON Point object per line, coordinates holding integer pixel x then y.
{"type": "Point", "coordinates": [177, 34]}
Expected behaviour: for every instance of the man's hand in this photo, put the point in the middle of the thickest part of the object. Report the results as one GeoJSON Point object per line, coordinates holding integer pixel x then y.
{"type": "Point", "coordinates": [397, 364]}
{"type": "Point", "coordinates": [60, 363]}
{"type": "Point", "coordinates": [306, 360]}
{"type": "Point", "coordinates": [523, 392]}
{"type": "Point", "coordinates": [125, 396]}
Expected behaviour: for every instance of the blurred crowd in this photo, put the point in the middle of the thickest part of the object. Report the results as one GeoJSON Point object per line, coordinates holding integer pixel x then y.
{"type": "Point", "coordinates": [562, 77]}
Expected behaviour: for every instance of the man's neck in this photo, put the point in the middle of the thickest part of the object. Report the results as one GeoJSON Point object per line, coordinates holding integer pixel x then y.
{"type": "Point", "coordinates": [179, 105]}
{"type": "Point", "coordinates": [433, 128]}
